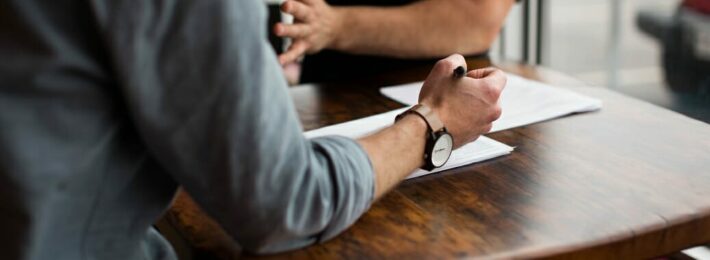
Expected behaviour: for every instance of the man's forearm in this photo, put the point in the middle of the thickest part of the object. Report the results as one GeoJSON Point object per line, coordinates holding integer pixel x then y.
{"type": "Point", "coordinates": [424, 29]}
{"type": "Point", "coordinates": [395, 152]}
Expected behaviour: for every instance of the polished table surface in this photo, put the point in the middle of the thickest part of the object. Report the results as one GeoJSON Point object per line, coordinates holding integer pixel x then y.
{"type": "Point", "coordinates": [629, 181]}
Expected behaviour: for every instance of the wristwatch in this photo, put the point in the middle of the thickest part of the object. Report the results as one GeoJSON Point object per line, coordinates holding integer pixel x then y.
{"type": "Point", "coordinates": [439, 143]}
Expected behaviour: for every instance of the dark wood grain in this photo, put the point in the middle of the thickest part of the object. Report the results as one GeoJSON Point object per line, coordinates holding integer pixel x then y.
{"type": "Point", "coordinates": [629, 181]}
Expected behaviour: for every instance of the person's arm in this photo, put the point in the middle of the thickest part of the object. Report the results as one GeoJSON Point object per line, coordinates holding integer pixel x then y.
{"type": "Point", "coordinates": [466, 106]}
{"type": "Point", "coordinates": [396, 152]}
{"type": "Point", "coordinates": [424, 29]}
{"type": "Point", "coordinates": [204, 91]}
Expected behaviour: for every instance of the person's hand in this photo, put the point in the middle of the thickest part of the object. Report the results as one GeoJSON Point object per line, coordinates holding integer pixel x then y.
{"type": "Point", "coordinates": [292, 71]}
{"type": "Point", "coordinates": [315, 27]}
{"type": "Point", "coordinates": [467, 106]}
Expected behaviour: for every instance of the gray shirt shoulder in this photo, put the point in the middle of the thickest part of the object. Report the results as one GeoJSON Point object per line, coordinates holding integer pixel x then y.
{"type": "Point", "coordinates": [111, 104]}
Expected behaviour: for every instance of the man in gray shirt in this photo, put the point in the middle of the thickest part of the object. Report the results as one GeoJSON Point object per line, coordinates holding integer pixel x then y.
{"type": "Point", "coordinates": [107, 106]}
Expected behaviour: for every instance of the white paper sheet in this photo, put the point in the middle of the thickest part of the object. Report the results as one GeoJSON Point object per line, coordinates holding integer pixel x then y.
{"type": "Point", "coordinates": [482, 149]}
{"type": "Point", "coordinates": [523, 101]}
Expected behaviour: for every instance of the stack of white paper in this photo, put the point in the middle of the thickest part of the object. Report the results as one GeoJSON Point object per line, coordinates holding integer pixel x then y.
{"type": "Point", "coordinates": [482, 149]}
{"type": "Point", "coordinates": [523, 101]}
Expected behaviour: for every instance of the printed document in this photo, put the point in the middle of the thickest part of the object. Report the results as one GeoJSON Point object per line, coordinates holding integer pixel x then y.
{"type": "Point", "coordinates": [482, 149]}
{"type": "Point", "coordinates": [523, 101]}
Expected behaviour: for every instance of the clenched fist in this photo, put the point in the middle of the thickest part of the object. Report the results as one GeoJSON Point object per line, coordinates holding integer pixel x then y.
{"type": "Point", "coordinates": [467, 106]}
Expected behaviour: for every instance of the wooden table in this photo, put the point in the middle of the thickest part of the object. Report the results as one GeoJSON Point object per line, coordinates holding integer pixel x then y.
{"type": "Point", "coordinates": [629, 181]}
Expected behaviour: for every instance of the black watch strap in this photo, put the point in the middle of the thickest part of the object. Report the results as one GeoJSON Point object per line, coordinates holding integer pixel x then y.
{"type": "Point", "coordinates": [435, 128]}
{"type": "Point", "coordinates": [426, 113]}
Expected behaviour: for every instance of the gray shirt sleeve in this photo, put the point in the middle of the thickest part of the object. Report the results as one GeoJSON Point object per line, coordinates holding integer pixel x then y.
{"type": "Point", "coordinates": [206, 93]}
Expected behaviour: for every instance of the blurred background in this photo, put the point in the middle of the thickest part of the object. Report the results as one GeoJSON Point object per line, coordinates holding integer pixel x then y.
{"type": "Point", "coordinates": [619, 44]}
{"type": "Point", "coordinates": [654, 50]}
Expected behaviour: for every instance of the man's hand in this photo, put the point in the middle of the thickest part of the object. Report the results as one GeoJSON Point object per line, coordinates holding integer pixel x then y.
{"type": "Point", "coordinates": [467, 106]}
{"type": "Point", "coordinates": [315, 27]}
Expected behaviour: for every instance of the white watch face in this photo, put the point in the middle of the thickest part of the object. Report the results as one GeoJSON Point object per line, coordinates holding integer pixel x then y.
{"type": "Point", "coordinates": [442, 150]}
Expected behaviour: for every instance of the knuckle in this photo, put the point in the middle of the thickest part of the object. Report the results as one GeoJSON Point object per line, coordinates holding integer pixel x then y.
{"type": "Point", "coordinates": [298, 30]}
{"type": "Point", "coordinates": [445, 64]}
{"type": "Point", "coordinates": [287, 6]}
{"type": "Point", "coordinates": [504, 80]}
{"type": "Point", "coordinates": [310, 31]}
{"type": "Point", "coordinates": [286, 29]}
{"type": "Point", "coordinates": [459, 58]}
{"type": "Point", "coordinates": [499, 79]}
{"type": "Point", "coordinates": [487, 128]}
{"type": "Point", "coordinates": [471, 138]}
{"type": "Point", "coordinates": [496, 112]}
{"type": "Point", "coordinates": [489, 93]}
{"type": "Point", "coordinates": [492, 90]}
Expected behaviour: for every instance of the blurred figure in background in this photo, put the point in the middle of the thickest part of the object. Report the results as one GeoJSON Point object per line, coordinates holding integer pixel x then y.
{"type": "Point", "coordinates": [350, 39]}
{"type": "Point", "coordinates": [685, 37]}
